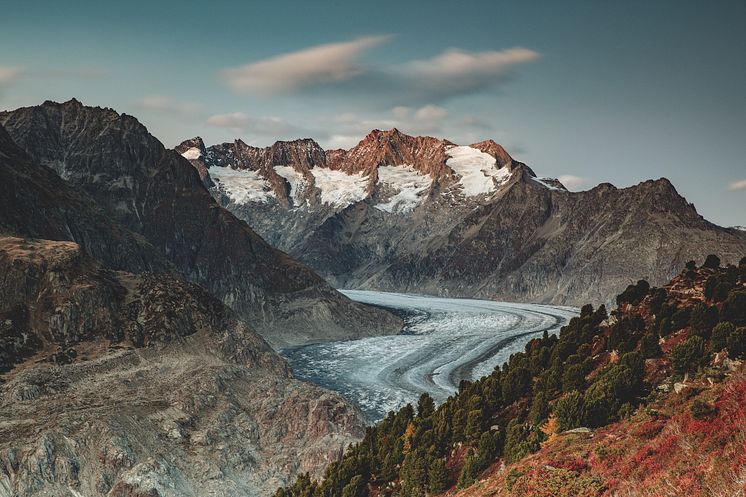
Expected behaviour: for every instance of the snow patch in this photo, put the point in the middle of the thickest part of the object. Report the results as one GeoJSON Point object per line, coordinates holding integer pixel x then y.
{"type": "Point", "coordinates": [242, 185]}
{"type": "Point", "coordinates": [192, 153]}
{"type": "Point", "coordinates": [296, 180]}
{"type": "Point", "coordinates": [339, 188]}
{"type": "Point", "coordinates": [477, 170]}
{"type": "Point", "coordinates": [409, 185]}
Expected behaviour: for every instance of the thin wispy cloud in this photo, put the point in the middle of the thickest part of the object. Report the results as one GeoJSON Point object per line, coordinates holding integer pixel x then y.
{"type": "Point", "coordinates": [168, 105]}
{"type": "Point", "coordinates": [9, 74]}
{"type": "Point", "coordinates": [457, 72]}
{"type": "Point", "coordinates": [240, 123]}
{"type": "Point", "coordinates": [477, 123]}
{"type": "Point", "coordinates": [737, 185]}
{"type": "Point", "coordinates": [338, 68]}
{"type": "Point", "coordinates": [572, 182]}
{"type": "Point", "coordinates": [350, 128]}
{"type": "Point", "coordinates": [307, 68]}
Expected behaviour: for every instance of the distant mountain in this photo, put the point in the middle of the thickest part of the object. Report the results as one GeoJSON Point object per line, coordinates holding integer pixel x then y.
{"type": "Point", "coordinates": [423, 215]}
{"type": "Point", "coordinates": [158, 204]}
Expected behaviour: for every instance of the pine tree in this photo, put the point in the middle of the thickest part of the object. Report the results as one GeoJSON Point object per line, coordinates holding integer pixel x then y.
{"type": "Point", "coordinates": [469, 471]}
{"type": "Point", "coordinates": [437, 477]}
{"type": "Point", "coordinates": [413, 474]}
{"type": "Point", "coordinates": [425, 406]}
{"type": "Point", "coordinates": [539, 409]}
{"type": "Point", "coordinates": [356, 488]}
{"type": "Point", "coordinates": [649, 346]}
{"type": "Point", "coordinates": [712, 261]}
{"type": "Point", "coordinates": [688, 356]}
{"type": "Point", "coordinates": [570, 411]}
{"type": "Point", "coordinates": [720, 335]}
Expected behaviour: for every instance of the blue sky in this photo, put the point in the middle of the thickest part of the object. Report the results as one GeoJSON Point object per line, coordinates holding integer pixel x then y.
{"type": "Point", "coordinates": [588, 91]}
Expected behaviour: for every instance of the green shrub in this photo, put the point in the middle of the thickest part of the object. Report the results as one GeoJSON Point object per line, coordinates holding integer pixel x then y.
{"type": "Point", "coordinates": [688, 356]}
{"type": "Point", "coordinates": [649, 346]}
{"type": "Point", "coordinates": [573, 378]}
{"type": "Point", "coordinates": [437, 477]}
{"type": "Point", "coordinates": [570, 411]}
{"type": "Point", "coordinates": [737, 344]}
{"type": "Point", "coordinates": [702, 410]}
{"type": "Point", "coordinates": [720, 335]}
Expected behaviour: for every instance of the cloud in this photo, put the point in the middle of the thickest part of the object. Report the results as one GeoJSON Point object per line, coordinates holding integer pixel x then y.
{"type": "Point", "coordinates": [238, 122]}
{"type": "Point", "coordinates": [430, 113]}
{"type": "Point", "coordinates": [571, 181]}
{"type": "Point", "coordinates": [737, 185]}
{"type": "Point", "coordinates": [85, 73]}
{"type": "Point", "coordinates": [476, 123]}
{"type": "Point", "coordinates": [336, 68]}
{"type": "Point", "coordinates": [307, 68]}
{"type": "Point", "coordinates": [350, 129]}
{"type": "Point", "coordinates": [457, 72]}
{"type": "Point", "coordinates": [9, 75]}
{"type": "Point", "coordinates": [168, 105]}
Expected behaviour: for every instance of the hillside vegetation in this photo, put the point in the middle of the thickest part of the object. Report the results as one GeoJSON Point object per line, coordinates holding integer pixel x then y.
{"type": "Point", "coordinates": [647, 400]}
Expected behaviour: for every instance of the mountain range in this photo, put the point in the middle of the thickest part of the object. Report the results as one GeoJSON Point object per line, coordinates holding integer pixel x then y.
{"type": "Point", "coordinates": [131, 307]}
{"type": "Point", "coordinates": [424, 215]}
{"type": "Point", "coordinates": [145, 291]}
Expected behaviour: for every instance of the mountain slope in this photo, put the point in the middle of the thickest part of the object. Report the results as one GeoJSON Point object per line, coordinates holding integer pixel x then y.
{"type": "Point", "coordinates": [121, 384]}
{"type": "Point", "coordinates": [35, 202]}
{"type": "Point", "coordinates": [420, 214]}
{"type": "Point", "coordinates": [155, 193]}
{"type": "Point", "coordinates": [647, 400]}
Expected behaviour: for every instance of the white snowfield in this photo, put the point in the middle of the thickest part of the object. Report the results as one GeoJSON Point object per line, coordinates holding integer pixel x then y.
{"type": "Point", "coordinates": [446, 341]}
{"type": "Point", "coordinates": [478, 170]}
{"type": "Point", "coordinates": [409, 185]}
{"type": "Point", "coordinates": [242, 185]}
{"type": "Point", "coordinates": [297, 181]}
{"type": "Point", "coordinates": [477, 174]}
{"type": "Point", "coordinates": [339, 188]}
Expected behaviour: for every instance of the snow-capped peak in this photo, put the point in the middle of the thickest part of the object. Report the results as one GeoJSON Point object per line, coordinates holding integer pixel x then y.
{"type": "Point", "coordinates": [477, 170]}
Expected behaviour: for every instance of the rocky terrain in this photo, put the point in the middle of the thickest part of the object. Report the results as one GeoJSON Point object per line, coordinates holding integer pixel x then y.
{"type": "Point", "coordinates": [121, 384]}
{"type": "Point", "coordinates": [423, 215]}
{"type": "Point", "coordinates": [152, 198]}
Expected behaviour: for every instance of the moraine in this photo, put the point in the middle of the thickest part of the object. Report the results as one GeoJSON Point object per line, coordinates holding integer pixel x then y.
{"type": "Point", "coordinates": [445, 341]}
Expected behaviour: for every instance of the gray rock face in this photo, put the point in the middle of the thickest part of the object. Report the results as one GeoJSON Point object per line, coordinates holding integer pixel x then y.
{"type": "Point", "coordinates": [155, 195]}
{"type": "Point", "coordinates": [36, 202]}
{"type": "Point", "coordinates": [144, 385]}
{"type": "Point", "coordinates": [417, 214]}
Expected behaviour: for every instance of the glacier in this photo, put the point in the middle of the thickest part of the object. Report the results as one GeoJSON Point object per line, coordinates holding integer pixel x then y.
{"type": "Point", "coordinates": [445, 340]}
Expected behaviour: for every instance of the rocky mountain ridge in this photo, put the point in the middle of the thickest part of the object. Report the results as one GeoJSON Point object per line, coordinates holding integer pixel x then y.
{"type": "Point", "coordinates": [424, 215]}
{"type": "Point", "coordinates": [154, 194]}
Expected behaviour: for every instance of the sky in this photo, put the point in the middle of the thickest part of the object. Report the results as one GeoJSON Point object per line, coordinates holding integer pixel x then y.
{"type": "Point", "coordinates": [586, 91]}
